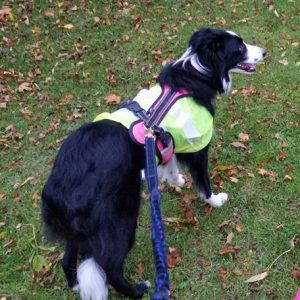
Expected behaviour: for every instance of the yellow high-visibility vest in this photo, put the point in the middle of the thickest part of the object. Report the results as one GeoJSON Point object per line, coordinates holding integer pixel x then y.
{"type": "Point", "coordinates": [190, 124]}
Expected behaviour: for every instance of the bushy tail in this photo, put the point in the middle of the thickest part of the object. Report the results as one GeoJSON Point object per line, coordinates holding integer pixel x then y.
{"type": "Point", "coordinates": [91, 281]}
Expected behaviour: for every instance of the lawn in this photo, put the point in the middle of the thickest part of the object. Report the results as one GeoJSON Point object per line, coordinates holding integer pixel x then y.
{"type": "Point", "coordinates": [61, 61]}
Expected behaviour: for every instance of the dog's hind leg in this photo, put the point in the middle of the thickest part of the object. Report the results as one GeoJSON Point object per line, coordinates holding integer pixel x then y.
{"type": "Point", "coordinates": [69, 263]}
{"type": "Point", "coordinates": [115, 276]}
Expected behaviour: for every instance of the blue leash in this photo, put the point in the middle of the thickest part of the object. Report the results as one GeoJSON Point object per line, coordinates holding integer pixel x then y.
{"type": "Point", "coordinates": [162, 285]}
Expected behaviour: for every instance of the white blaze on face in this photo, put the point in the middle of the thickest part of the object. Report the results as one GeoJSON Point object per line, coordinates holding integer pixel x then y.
{"type": "Point", "coordinates": [254, 54]}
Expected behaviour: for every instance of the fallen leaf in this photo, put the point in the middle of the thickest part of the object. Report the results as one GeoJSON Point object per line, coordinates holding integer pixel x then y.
{"type": "Point", "coordinates": [223, 168]}
{"type": "Point", "coordinates": [284, 144]}
{"type": "Point", "coordinates": [233, 179]}
{"type": "Point", "coordinates": [288, 178]}
{"type": "Point", "coordinates": [225, 223]}
{"type": "Point", "coordinates": [232, 250]}
{"type": "Point", "coordinates": [283, 62]}
{"type": "Point", "coordinates": [113, 99]}
{"type": "Point", "coordinates": [173, 259]}
{"type": "Point", "coordinates": [257, 277]}
{"type": "Point", "coordinates": [229, 238]}
{"type": "Point", "coordinates": [36, 198]}
{"type": "Point", "coordinates": [68, 26]}
{"type": "Point", "coordinates": [239, 228]}
{"type": "Point", "coordinates": [2, 196]}
{"type": "Point", "coordinates": [272, 175]}
{"type": "Point", "coordinates": [224, 275]}
{"type": "Point", "coordinates": [36, 31]}
{"type": "Point", "coordinates": [282, 155]}
{"type": "Point", "coordinates": [203, 262]}
{"type": "Point", "coordinates": [140, 268]}
{"type": "Point", "coordinates": [17, 198]}
{"type": "Point", "coordinates": [247, 92]}
{"type": "Point", "coordinates": [238, 145]}
{"type": "Point", "coordinates": [295, 274]}
{"type": "Point", "coordinates": [66, 98]}
{"type": "Point", "coordinates": [207, 210]}
{"type": "Point", "coordinates": [25, 87]}
{"type": "Point", "coordinates": [279, 226]}
{"type": "Point", "coordinates": [277, 136]}
{"type": "Point", "coordinates": [244, 137]}
{"type": "Point", "coordinates": [249, 174]}
{"type": "Point", "coordinates": [49, 13]}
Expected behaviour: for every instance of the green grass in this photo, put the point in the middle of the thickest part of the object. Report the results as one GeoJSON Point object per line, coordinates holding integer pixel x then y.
{"type": "Point", "coordinates": [115, 55]}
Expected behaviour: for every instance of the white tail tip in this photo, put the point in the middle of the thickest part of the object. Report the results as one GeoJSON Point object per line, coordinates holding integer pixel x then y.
{"type": "Point", "coordinates": [91, 281]}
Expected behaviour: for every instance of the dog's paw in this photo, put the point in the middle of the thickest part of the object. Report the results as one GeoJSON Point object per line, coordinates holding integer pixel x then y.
{"type": "Point", "coordinates": [141, 289]}
{"type": "Point", "coordinates": [75, 288]}
{"type": "Point", "coordinates": [179, 181]}
{"type": "Point", "coordinates": [217, 200]}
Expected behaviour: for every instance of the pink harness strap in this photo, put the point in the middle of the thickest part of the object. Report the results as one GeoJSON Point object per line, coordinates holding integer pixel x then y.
{"type": "Point", "coordinates": [297, 296]}
{"type": "Point", "coordinates": [155, 115]}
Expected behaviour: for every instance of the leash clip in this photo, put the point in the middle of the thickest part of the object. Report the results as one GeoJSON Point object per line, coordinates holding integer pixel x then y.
{"type": "Point", "coordinates": [149, 133]}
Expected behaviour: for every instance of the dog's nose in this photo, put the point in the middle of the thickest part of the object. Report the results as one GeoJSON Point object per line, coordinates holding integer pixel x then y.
{"type": "Point", "coordinates": [264, 53]}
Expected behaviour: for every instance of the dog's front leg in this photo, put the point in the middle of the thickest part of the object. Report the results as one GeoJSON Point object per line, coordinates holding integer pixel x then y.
{"type": "Point", "coordinates": [198, 166]}
{"type": "Point", "coordinates": [169, 172]}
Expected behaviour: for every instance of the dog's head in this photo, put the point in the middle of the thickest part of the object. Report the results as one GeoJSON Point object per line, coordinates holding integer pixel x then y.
{"type": "Point", "coordinates": [214, 53]}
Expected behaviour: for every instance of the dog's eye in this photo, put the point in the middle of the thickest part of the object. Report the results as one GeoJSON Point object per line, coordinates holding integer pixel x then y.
{"type": "Point", "coordinates": [242, 48]}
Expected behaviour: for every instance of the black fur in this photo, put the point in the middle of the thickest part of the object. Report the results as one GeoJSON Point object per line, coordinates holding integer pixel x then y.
{"type": "Point", "coordinates": [92, 197]}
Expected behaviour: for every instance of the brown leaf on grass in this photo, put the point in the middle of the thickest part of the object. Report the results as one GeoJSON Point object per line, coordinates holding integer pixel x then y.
{"type": "Point", "coordinates": [67, 26]}
{"type": "Point", "coordinates": [208, 210]}
{"type": "Point", "coordinates": [188, 199]}
{"type": "Point", "coordinates": [17, 198]}
{"type": "Point", "coordinates": [66, 98]}
{"type": "Point", "coordinates": [238, 145]}
{"type": "Point", "coordinates": [113, 99]}
{"type": "Point", "coordinates": [233, 179]}
{"type": "Point", "coordinates": [2, 196]}
{"type": "Point", "coordinates": [247, 92]}
{"type": "Point", "coordinates": [26, 113]}
{"type": "Point", "coordinates": [272, 175]}
{"type": "Point", "coordinates": [203, 263]}
{"type": "Point", "coordinates": [174, 258]}
{"type": "Point", "coordinates": [295, 274]}
{"type": "Point", "coordinates": [5, 11]}
{"type": "Point", "coordinates": [140, 268]}
{"type": "Point", "coordinates": [232, 250]}
{"type": "Point", "coordinates": [25, 87]}
{"type": "Point", "coordinates": [49, 13]}
{"type": "Point", "coordinates": [284, 144]}
{"type": "Point", "coordinates": [288, 178]}
{"type": "Point", "coordinates": [223, 168]}
{"type": "Point", "coordinates": [224, 223]}
{"type": "Point", "coordinates": [36, 199]}
{"type": "Point", "coordinates": [224, 274]}
{"type": "Point", "coordinates": [244, 137]}
{"type": "Point", "coordinates": [282, 155]}
{"type": "Point", "coordinates": [284, 62]}
{"type": "Point", "coordinates": [239, 228]}
{"type": "Point", "coordinates": [190, 216]}
{"type": "Point", "coordinates": [229, 238]}
{"type": "Point", "coordinates": [187, 211]}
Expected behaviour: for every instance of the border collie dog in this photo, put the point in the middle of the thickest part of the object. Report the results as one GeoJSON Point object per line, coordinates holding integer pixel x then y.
{"type": "Point", "coordinates": [91, 199]}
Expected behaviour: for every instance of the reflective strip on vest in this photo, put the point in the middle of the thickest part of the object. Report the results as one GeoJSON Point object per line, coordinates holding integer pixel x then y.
{"type": "Point", "coordinates": [190, 124]}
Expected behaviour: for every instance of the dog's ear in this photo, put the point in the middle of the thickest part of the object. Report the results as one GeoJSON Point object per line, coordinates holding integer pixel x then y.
{"type": "Point", "coordinates": [208, 39]}
{"type": "Point", "coordinates": [208, 44]}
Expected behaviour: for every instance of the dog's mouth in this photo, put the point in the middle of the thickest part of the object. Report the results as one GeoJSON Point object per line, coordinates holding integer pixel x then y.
{"type": "Point", "coordinates": [249, 68]}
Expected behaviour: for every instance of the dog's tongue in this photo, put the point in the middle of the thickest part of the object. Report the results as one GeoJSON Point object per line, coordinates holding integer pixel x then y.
{"type": "Point", "coordinates": [246, 67]}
